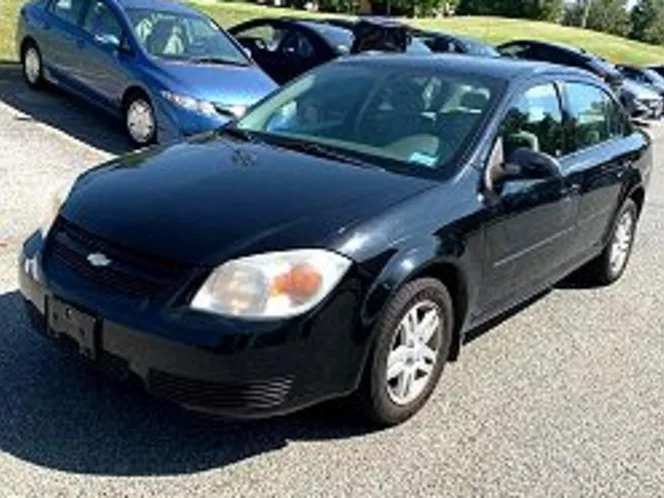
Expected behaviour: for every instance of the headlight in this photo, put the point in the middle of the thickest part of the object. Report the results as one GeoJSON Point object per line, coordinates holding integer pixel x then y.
{"type": "Point", "coordinates": [271, 285]}
{"type": "Point", "coordinates": [190, 103]}
{"type": "Point", "coordinates": [55, 202]}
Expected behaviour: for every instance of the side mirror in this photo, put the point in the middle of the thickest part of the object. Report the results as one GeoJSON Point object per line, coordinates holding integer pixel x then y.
{"type": "Point", "coordinates": [527, 164]}
{"type": "Point", "coordinates": [108, 40]}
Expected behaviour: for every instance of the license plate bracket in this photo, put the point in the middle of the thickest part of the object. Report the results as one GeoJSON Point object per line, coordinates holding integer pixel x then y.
{"type": "Point", "coordinates": [66, 319]}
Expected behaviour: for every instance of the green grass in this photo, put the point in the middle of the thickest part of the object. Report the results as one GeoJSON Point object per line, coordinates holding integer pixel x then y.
{"type": "Point", "coordinates": [492, 29]}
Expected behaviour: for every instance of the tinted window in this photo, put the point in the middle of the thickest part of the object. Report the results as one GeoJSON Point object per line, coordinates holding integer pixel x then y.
{"type": "Point", "coordinates": [593, 116]}
{"type": "Point", "coordinates": [69, 10]}
{"type": "Point", "coordinates": [535, 122]}
{"type": "Point", "coordinates": [419, 120]}
{"type": "Point", "coordinates": [339, 38]}
{"type": "Point", "coordinates": [101, 21]}
{"type": "Point", "coordinates": [175, 35]}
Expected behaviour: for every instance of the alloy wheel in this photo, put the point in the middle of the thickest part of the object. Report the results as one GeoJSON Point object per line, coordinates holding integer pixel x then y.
{"type": "Point", "coordinates": [414, 352]}
{"type": "Point", "coordinates": [622, 242]}
{"type": "Point", "coordinates": [32, 65]}
{"type": "Point", "coordinates": [140, 121]}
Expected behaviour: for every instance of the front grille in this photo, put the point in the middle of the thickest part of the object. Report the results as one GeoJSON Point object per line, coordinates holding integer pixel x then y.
{"type": "Point", "coordinates": [257, 395]}
{"type": "Point", "coordinates": [128, 272]}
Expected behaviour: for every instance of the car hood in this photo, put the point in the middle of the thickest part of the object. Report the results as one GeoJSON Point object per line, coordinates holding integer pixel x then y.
{"type": "Point", "coordinates": [225, 84]}
{"type": "Point", "coordinates": [206, 200]}
{"type": "Point", "coordinates": [639, 91]}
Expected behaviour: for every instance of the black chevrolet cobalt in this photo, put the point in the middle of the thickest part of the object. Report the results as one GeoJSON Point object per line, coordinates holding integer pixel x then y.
{"type": "Point", "coordinates": [342, 238]}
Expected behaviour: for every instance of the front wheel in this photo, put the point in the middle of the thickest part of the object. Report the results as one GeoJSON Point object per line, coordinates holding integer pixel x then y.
{"type": "Point", "coordinates": [610, 265]}
{"type": "Point", "coordinates": [140, 120]}
{"type": "Point", "coordinates": [411, 347]}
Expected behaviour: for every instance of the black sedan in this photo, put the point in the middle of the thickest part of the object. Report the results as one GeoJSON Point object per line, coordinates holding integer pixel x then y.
{"type": "Point", "coordinates": [285, 48]}
{"type": "Point", "coordinates": [344, 236]}
{"type": "Point", "coordinates": [565, 55]}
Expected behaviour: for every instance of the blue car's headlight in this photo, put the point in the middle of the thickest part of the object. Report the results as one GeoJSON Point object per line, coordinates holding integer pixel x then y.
{"type": "Point", "coordinates": [189, 103]}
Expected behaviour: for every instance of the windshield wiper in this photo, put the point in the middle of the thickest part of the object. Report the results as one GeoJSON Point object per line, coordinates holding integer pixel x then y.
{"type": "Point", "coordinates": [233, 131]}
{"type": "Point", "coordinates": [218, 60]}
{"type": "Point", "coordinates": [320, 150]}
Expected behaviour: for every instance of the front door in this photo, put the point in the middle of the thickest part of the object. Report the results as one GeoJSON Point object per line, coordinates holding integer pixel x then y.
{"type": "Point", "coordinates": [60, 33]}
{"type": "Point", "coordinates": [531, 233]}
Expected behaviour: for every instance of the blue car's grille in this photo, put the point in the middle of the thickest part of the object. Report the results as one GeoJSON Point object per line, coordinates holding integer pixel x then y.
{"type": "Point", "coordinates": [127, 272]}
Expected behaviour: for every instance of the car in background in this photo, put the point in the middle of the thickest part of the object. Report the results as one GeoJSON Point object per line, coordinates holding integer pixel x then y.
{"type": "Point", "coordinates": [645, 76]}
{"type": "Point", "coordinates": [641, 101]}
{"type": "Point", "coordinates": [565, 55]}
{"type": "Point", "coordinates": [166, 69]}
{"type": "Point", "coordinates": [344, 236]}
{"type": "Point", "coordinates": [447, 43]}
{"type": "Point", "coordinates": [286, 48]}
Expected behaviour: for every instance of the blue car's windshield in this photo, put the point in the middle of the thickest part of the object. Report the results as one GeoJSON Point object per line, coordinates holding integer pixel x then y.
{"type": "Point", "coordinates": [421, 120]}
{"type": "Point", "coordinates": [173, 35]}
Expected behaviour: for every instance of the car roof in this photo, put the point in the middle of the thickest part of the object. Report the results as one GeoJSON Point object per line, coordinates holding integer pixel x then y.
{"type": "Point", "coordinates": [559, 46]}
{"type": "Point", "coordinates": [502, 68]}
{"type": "Point", "coordinates": [164, 5]}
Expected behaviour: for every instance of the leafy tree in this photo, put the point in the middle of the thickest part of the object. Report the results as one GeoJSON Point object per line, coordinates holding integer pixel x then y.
{"type": "Point", "coordinates": [609, 16]}
{"type": "Point", "coordinates": [648, 21]}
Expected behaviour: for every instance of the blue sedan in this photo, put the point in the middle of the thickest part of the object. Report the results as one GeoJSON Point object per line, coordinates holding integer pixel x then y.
{"type": "Point", "coordinates": [167, 70]}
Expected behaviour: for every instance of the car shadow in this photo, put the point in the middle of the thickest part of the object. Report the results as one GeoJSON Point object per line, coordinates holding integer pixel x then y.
{"type": "Point", "coordinates": [62, 111]}
{"type": "Point", "coordinates": [58, 413]}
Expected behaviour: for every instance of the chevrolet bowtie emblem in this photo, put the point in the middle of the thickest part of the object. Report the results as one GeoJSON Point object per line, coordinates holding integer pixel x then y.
{"type": "Point", "coordinates": [98, 259]}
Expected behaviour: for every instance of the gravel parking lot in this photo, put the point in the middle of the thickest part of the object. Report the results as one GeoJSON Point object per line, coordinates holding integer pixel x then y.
{"type": "Point", "coordinates": [564, 398]}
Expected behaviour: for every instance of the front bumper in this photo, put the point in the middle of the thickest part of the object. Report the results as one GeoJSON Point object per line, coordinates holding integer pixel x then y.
{"type": "Point", "coordinates": [275, 369]}
{"type": "Point", "coordinates": [174, 123]}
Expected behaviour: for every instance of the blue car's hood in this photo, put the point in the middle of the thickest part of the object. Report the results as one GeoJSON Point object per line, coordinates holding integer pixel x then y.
{"type": "Point", "coordinates": [227, 84]}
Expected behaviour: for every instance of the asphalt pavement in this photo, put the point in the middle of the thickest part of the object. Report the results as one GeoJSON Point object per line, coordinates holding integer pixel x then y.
{"type": "Point", "coordinates": [564, 398]}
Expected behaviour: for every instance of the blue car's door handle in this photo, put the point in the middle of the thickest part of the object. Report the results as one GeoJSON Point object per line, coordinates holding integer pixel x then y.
{"type": "Point", "coordinates": [46, 26]}
{"type": "Point", "coordinates": [80, 43]}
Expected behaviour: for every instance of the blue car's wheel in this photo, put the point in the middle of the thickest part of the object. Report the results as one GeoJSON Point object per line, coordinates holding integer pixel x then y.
{"type": "Point", "coordinates": [140, 120]}
{"type": "Point", "coordinates": [32, 66]}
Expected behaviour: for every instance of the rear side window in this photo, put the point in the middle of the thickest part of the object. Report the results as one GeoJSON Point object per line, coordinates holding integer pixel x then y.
{"type": "Point", "coordinates": [594, 117]}
{"type": "Point", "coordinates": [68, 10]}
{"type": "Point", "coordinates": [535, 122]}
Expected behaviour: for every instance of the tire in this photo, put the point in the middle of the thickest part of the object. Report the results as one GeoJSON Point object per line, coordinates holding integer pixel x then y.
{"type": "Point", "coordinates": [33, 69]}
{"type": "Point", "coordinates": [383, 399]}
{"type": "Point", "coordinates": [140, 120]}
{"type": "Point", "coordinates": [608, 267]}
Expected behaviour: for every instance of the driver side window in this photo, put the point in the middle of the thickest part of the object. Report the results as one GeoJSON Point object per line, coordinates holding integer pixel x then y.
{"type": "Point", "coordinates": [535, 122]}
{"type": "Point", "coordinates": [101, 21]}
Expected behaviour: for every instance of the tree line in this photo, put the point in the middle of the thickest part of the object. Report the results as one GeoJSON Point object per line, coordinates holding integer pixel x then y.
{"type": "Point", "coordinates": [642, 20]}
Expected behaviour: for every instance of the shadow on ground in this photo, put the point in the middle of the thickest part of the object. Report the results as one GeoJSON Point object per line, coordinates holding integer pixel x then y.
{"type": "Point", "coordinates": [68, 114]}
{"type": "Point", "coordinates": [58, 413]}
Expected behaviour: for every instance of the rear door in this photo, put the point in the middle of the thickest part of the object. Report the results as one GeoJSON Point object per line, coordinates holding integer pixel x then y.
{"type": "Point", "coordinates": [60, 35]}
{"type": "Point", "coordinates": [597, 157]}
{"type": "Point", "coordinates": [100, 67]}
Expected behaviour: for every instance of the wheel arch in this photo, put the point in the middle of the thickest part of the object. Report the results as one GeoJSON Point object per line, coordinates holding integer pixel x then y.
{"type": "Point", "coordinates": [27, 41]}
{"type": "Point", "coordinates": [132, 90]}
{"type": "Point", "coordinates": [420, 263]}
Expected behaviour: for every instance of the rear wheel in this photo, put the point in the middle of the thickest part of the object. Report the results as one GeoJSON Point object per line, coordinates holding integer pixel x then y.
{"type": "Point", "coordinates": [140, 121]}
{"type": "Point", "coordinates": [610, 265]}
{"type": "Point", "coordinates": [32, 66]}
{"type": "Point", "coordinates": [412, 345]}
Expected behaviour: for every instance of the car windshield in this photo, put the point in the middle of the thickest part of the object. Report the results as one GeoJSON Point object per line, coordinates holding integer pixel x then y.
{"type": "Point", "coordinates": [174, 35]}
{"type": "Point", "coordinates": [420, 120]}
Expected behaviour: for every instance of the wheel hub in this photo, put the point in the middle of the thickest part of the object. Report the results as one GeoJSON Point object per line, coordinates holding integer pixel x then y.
{"type": "Point", "coordinates": [32, 65]}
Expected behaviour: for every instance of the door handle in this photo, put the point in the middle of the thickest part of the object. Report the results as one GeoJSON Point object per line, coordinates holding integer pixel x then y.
{"type": "Point", "coordinates": [80, 43]}
{"type": "Point", "coordinates": [46, 26]}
